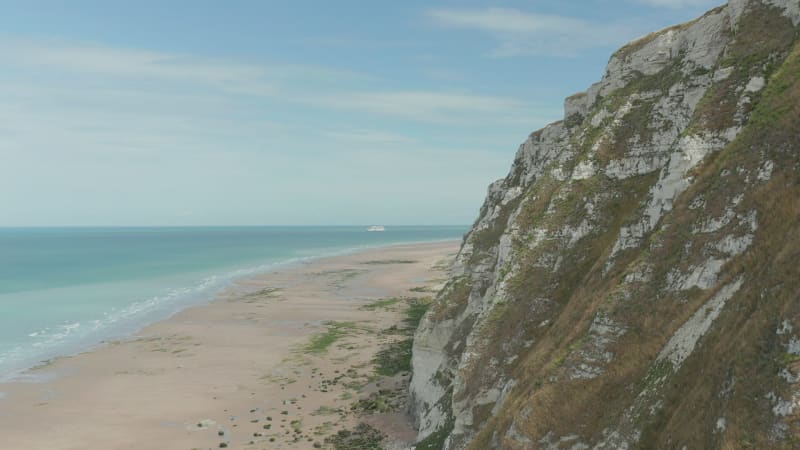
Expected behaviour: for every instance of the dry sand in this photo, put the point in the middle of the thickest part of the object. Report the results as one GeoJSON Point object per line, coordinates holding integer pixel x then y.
{"type": "Point", "coordinates": [217, 373]}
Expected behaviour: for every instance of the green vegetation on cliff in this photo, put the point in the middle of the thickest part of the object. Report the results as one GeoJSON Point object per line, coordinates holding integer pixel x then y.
{"type": "Point", "coordinates": [633, 282]}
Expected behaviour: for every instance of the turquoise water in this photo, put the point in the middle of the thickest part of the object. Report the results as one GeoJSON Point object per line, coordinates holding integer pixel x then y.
{"type": "Point", "coordinates": [63, 290]}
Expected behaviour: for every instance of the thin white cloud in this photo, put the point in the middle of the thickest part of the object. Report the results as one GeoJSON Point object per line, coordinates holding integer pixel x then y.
{"type": "Point", "coordinates": [524, 33]}
{"type": "Point", "coordinates": [173, 76]}
{"type": "Point", "coordinates": [369, 136]}
{"type": "Point", "coordinates": [126, 63]}
{"type": "Point", "coordinates": [502, 20]}
{"type": "Point", "coordinates": [677, 4]}
{"type": "Point", "coordinates": [428, 106]}
{"type": "Point", "coordinates": [174, 134]}
{"type": "Point", "coordinates": [129, 63]}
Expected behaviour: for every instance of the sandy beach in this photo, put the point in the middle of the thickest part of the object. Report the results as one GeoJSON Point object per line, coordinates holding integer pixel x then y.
{"type": "Point", "coordinates": [282, 360]}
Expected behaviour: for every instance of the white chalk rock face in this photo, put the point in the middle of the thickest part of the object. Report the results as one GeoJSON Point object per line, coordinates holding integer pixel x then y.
{"type": "Point", "coordinates": [616, 235]}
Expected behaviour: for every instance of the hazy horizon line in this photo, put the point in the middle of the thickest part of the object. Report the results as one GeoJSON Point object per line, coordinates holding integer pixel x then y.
{"type": "Point", "coordinates": [237, 226]}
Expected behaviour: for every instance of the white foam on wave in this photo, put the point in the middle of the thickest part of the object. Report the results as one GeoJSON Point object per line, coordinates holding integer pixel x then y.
{"type": "Point", "coordinates": [72, 337]}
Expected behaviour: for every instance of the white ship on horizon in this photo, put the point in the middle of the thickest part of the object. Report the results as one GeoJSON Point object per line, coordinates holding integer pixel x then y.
{"type": "Point", "coordinates": [376, 228]}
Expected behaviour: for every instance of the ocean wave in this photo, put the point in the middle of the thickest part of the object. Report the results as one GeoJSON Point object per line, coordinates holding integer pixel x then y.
{"type": "Point", "coordinates": [73, 336]}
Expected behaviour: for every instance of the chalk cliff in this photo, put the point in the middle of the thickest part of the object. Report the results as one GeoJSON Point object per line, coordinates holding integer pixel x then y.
{"type": "Point", "coordinates": [634, 282]}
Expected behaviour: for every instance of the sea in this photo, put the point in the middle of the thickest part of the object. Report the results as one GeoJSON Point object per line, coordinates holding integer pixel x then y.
{"type": "Point", "coordinates": [66, 290]}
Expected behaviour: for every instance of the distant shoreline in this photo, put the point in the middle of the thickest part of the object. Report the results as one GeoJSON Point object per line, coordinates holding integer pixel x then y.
{"type": "Point", "coordinates": [24, 373]}
{"type": "Point", "coordinates": [235, 354]}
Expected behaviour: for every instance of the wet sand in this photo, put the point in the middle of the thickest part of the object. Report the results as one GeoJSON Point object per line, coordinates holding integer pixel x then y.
{"type": "Point", "coordinates": [281, 360]}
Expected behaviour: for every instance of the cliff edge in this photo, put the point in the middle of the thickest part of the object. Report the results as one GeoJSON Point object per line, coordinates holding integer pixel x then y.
{"type": "Point", "coordinates": [634, 281]}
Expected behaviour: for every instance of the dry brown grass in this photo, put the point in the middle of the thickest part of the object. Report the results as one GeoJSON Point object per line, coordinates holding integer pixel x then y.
{"type": "Point", "coordinates": [742, 345]}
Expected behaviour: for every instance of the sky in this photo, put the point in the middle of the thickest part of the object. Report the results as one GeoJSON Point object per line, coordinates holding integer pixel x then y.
{"type": "Point", "coordinates": [287, 112]}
